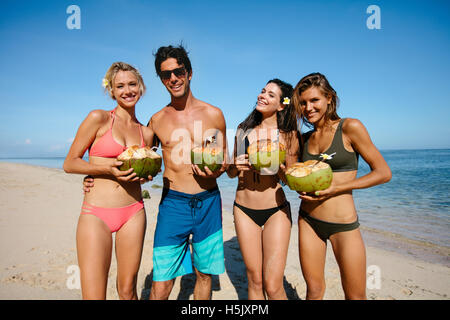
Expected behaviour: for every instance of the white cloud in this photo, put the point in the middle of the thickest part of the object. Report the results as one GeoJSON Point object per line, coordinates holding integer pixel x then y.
{"type": "Point", "coordinates": [27, 141]}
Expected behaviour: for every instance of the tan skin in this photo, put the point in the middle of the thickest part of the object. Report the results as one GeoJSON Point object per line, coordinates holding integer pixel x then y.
{"type": "Point", "coordinates": [336, 203]}
{"type": "Point", "coordinates": [174, 128]}
{"type": "Point", "coordinates": [179, 174]}
{"type": "Point", "coordinates": [264, 250]}
{"type": "Point", "coordinates": [113, 188]}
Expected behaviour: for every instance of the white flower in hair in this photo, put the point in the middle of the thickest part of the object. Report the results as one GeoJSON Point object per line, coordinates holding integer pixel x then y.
{"type": "Point", "coordinates": [286, 100]}
{"type": "Point", "coordinates": [105, 83]}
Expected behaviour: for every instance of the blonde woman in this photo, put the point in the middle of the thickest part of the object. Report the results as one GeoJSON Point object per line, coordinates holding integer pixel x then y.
{"type": "Point", "coordinates": [114, 203]}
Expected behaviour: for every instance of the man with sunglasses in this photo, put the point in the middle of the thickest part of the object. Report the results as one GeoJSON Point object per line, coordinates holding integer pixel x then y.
{"type": "Point", "coordinates": [190, 203]}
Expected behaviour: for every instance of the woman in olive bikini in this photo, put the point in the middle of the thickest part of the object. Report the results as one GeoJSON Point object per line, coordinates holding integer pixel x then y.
{"type": "Point", "coordinates": [330, 214]}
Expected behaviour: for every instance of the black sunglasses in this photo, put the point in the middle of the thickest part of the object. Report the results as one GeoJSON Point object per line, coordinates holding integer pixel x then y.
{"type": "Point", "coordinates": [178, 72]}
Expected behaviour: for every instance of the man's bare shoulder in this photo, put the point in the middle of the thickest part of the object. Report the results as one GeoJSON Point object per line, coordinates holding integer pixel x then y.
{"type": "Point", "coordinates": [209, 108]}
{"type": "Point", "coordinates": [158, 115]}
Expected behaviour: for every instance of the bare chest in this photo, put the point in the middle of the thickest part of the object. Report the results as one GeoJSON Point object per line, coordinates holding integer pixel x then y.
{"type": "Point", "coordinates": [185, 128]}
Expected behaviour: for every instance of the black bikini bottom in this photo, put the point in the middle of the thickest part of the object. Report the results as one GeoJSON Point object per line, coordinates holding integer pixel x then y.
{"type": "Point", "coordinates": [261, 216]}
{"type": "Point", "coordinates": [326, 229]}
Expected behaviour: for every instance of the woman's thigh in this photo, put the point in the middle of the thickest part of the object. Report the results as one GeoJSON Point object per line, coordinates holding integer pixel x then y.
{"type": "Point", "coordinates": [94, 249]}
{"type": "Point", "coordinates": [129, 245]}
{"type": "Point", "coordinates": [276, 236]}
{"type": "Point", "coordinates": [249, 238]}
{"type": "Point", "coordinates": [312, 253]}
{"type": "Point", "coordinates": [350, 253]}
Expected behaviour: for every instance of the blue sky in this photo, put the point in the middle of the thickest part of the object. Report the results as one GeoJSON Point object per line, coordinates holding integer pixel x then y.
{"type": "Point", "coordinates": [395, 79]}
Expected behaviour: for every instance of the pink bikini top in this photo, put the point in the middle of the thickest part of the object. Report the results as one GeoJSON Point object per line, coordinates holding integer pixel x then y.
{"type": "Point", "coordinates": [106, 146]}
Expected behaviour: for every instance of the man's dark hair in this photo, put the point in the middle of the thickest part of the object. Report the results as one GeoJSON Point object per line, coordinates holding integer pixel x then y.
{"type": "Point", "coordinates": [178, 53]}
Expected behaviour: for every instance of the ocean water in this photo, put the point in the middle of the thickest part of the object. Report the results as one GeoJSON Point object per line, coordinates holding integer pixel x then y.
{"type": "Point", "coordinates": [414, 204]}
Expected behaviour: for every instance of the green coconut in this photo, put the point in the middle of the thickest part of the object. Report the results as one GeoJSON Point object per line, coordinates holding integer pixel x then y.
{"type": "Point", "coordinates": [144, 161]}
{"type": "Point", "coordinates": [266, 154]}
{"type": "Point", "coordinates": [309, 176]}
{"type": "Point", "coordinates": [211, 157]}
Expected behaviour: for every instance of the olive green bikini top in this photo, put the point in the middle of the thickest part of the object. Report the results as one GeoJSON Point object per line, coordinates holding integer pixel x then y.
{"type": "Point", "coordinates": [342, 160]}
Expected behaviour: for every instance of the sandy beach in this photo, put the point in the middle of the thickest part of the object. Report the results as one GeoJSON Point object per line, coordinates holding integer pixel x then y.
{"type": "Point", "coordinates": [39, 209]}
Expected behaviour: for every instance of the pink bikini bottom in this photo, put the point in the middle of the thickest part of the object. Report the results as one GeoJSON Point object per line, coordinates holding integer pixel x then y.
{"type": "Point", "coordinates": [114, 218]}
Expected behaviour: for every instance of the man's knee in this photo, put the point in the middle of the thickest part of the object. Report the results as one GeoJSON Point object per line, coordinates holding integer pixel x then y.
{"type": "Point", "coordinates": [203, 277]}
{"type": "Point", "coordinates": [161, 290]}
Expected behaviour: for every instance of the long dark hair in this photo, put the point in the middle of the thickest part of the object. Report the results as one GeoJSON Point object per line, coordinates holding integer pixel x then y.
{"type": "Point", "coordinates": [286, 119]}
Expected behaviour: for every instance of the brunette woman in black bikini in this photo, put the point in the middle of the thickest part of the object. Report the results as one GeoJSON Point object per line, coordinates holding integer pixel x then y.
{"type": "Point", "coordinates": [331, 214]}
{"type": "Point", "coordinates": [262, 215]}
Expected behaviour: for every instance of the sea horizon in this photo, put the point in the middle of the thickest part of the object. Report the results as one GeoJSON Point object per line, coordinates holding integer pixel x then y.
{"type": "Point", "coordinates": [85, 157]}
{"type": "Point", "coordinates": [400, 207]}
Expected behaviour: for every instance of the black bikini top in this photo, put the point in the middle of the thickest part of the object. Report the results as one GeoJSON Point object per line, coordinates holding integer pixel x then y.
{"type": "Point", "coordinates": [342, 160]}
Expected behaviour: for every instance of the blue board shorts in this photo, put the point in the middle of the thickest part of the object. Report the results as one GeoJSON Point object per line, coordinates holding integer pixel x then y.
{"type": "Point", "coordinates": [180, 215]}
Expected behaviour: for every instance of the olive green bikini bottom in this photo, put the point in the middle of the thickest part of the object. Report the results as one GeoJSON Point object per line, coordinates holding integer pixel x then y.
{"type": "Point", "coordinates": [326, 229]}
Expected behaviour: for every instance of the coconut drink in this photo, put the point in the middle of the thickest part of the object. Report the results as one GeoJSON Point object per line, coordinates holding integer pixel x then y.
{"type": "Point", "coordinates": [210, 155]}
{"type": "Point", "coordinates": [309, 176]}
{"type": "Point", "coordinates": [266, 154]}
{"type": "Point", "coordinates": [144, 161]}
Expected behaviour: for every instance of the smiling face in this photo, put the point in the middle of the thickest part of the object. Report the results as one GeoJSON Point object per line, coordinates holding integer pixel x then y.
{"type": "Point", "coordinates": [126, 89]}
{"type": "Point", "coordinates": [314, 105]}
{"type": "Point", "coordinates": [269, 100]}
{"type": "Point", "coordinates": [177, 85]}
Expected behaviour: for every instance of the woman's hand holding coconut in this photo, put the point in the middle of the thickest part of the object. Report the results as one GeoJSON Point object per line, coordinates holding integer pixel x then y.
{"type": "Point", "coordinates": [312, 180]}
{"type": "Point", "coordinates": [242, 163]}
{"type": "Point", "coordinates": [319, 195]}
{"type": "Point", "coordinates": [125, 176]}
{"type": "Point", "coordinates": [137, 164]}
{"type": "Point", "coordinates": [128, 175]}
